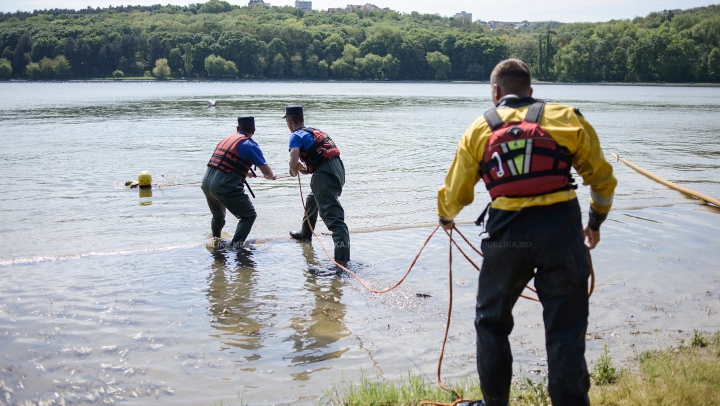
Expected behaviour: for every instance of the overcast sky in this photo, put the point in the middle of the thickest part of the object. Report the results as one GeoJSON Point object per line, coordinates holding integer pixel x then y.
{"type": "Point", "coordinates": [503, 10]}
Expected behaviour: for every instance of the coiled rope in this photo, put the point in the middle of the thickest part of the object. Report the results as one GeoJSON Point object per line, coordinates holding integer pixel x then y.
{"type": "Point", "coordinates": [412, 264]}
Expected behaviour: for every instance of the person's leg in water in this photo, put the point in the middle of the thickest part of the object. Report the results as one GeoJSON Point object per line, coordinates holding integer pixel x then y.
{"type": "Point", "coordinates": [239, 204]}
{"type": "Point", "coordinates": [216, 208]}
{"type": "Point", "coordinates": [327, 188]}
{"type": "Point", "coordinates": [311, 207]}
{"type": "Point", "coordinates": [218, 219]}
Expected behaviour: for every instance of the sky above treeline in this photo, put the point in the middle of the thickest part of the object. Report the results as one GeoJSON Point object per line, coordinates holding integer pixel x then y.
{"type": "Point", "coordinates": [501, 10]}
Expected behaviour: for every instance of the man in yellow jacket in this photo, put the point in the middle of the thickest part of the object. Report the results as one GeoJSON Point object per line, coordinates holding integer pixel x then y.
{"type": "Point", "coordinates": [523, 150]}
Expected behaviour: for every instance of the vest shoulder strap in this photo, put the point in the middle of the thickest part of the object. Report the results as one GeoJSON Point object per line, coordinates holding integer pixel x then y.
{"type": "Point", "coordinates": [493, 119]}
{"type": "Point", "coordinates": [535, 112]}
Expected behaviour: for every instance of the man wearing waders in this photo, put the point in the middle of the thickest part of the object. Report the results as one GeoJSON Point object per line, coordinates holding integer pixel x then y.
{"type": "Point", "coordinates": [523, 150]}
{"type": "Point", "coordinates": [224, 181]}
{"type": "Point", "coordinates": [320, 157]}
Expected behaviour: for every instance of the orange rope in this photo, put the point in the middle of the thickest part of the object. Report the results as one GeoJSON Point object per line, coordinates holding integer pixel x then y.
{"type": "Point", "coordinates": [362, 282]}
{"type": "Point", "coordinates": [199, 182]}
{"type": "Point", "coordinates": [592, 274]}
{"type": "Point", "coordinates": [447, 329]}
{"type": "Point", "coordinates": [592, 271]}
{"type": "Point", "coordinates": [452, 241]}
{"type": "Point", "coordinates": [470, 244]}
{"type": "Point", "coordinates": [447, 326]}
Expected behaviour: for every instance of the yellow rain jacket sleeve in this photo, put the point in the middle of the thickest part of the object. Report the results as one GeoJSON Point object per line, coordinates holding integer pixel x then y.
{"type": "Point", "coordinates": [569, 129]}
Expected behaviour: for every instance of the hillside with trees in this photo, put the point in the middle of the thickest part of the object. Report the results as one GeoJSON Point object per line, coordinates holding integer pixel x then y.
{"type": "Point", "coordinates": [220, 40]}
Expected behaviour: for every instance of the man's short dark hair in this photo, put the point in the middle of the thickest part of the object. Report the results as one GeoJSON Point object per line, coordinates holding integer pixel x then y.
{"type": "Point", "coordinates": [296, 119]}
{"type": "Point", "coordinates": [247, 129]}
{"type": "Point", "coordinates": [512, 76]}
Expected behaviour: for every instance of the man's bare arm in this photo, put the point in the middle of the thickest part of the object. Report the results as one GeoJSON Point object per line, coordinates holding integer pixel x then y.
{"type": "Point", "coordinates": [266, 171]}
{"type": "Point", "coordinates": [295, 166]}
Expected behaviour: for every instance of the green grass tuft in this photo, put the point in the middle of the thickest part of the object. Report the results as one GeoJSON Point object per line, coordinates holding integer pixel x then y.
{"type": "Point", "coordinates": [528, 392]}
{"type": "Point", "coordinates": [604, 373]}
{"type": "Point", "coordinates": [699, 340]}
{"type": "Point", "coordinates": [414, 389]}
{"type": "Point", "coordinates": [681, 376]}
{"type": "Point", "coordinates": [403, 392]}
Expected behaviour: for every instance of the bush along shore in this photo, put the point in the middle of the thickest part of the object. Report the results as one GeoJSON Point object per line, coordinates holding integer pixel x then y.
{"type": "Point", "coordinates": [688, 374]}
{"type": "Point", "coordinates": [217, 39]}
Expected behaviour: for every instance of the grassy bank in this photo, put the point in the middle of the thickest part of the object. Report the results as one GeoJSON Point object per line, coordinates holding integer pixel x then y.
{"type": "Point", "coordinates": [686, 375]}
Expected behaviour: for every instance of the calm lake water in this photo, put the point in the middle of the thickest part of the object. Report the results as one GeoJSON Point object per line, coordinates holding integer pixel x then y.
{"type": "Point", "coordinates": [110, 294]}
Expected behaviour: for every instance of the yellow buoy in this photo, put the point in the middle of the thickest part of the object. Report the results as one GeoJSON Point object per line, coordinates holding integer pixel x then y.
{"type": "Point", "coordinates": [145, 179]}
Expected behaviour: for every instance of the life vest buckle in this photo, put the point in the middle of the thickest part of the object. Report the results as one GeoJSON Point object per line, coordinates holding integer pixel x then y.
{"type": "Point", "coordinates": [515, 131]}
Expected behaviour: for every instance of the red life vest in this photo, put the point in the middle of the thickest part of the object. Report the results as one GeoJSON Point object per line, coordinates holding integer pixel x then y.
{"type": "Point", "coordinates": [322, 150]}
{"type": "Point", "coordinates": [522, 159]}
{"type": "Point", "coordinates": [225, 157]}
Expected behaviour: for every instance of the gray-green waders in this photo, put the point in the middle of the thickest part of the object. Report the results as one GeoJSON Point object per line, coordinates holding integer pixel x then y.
{"type": "Point", "coordinates": [225, 191]}
{"type": "Point", "coordinates": [326, 185]}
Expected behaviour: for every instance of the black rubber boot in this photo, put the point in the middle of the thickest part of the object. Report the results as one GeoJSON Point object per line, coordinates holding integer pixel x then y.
{"type": "Point", "coordinates": [342, 255]}
{"type": "Point", "coordinates": [304, 234]}
{"type": "Point", "coordinates": [216, 227]}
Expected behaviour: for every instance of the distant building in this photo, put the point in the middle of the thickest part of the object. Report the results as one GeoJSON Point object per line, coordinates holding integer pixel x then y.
{"type": "Point", "coordinates": [495, 25]}
{"type": "Point", "coordinates": [258, 3]}
{"type": "Point", "coordinates": [463, 16]}
{"type": "Point", "coordinates": [303, 5]}
{"type": "Point", "coordinates": [525, 26]}
{"type": "Point", "coordinates": [364, 7]}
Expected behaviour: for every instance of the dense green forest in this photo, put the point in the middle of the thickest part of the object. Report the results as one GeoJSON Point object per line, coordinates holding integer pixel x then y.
{"type": "Point", "coordinates": [217, 39]}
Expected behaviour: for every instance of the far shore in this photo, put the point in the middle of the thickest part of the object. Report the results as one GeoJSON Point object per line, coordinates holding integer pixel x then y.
{"type": "Point", "coordinates": [207, 80]}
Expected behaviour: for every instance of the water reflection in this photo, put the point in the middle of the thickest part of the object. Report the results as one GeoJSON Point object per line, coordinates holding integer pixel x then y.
{"type": "Point", "coordinates": [145, 193]}
{"type": "Point", "coordinates": [233, 305]}
{"type": "Point", "coordinates": [317, 332]}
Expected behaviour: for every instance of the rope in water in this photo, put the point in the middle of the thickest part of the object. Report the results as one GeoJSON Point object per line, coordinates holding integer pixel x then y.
{"type": "Point", "coordinates": [362, 282]}
{"type": "Point", "coordinates": [160, 186]}
{"type": "Point", "coordinates": [412, 264]}
{"type": "Point", "coordinates": [178, 184]}
{"type": "Point", "coordinates": [704, 198]}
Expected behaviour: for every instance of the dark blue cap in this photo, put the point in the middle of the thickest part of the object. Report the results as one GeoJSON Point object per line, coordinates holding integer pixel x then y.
{"type": "Point", "coordinates": [293, 111]}
{"type": "Point", "coordinates": [246, 121]}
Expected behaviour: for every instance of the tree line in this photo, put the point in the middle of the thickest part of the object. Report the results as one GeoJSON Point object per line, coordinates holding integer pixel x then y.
{"type": "Point", "coordinates": [217, 39]}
